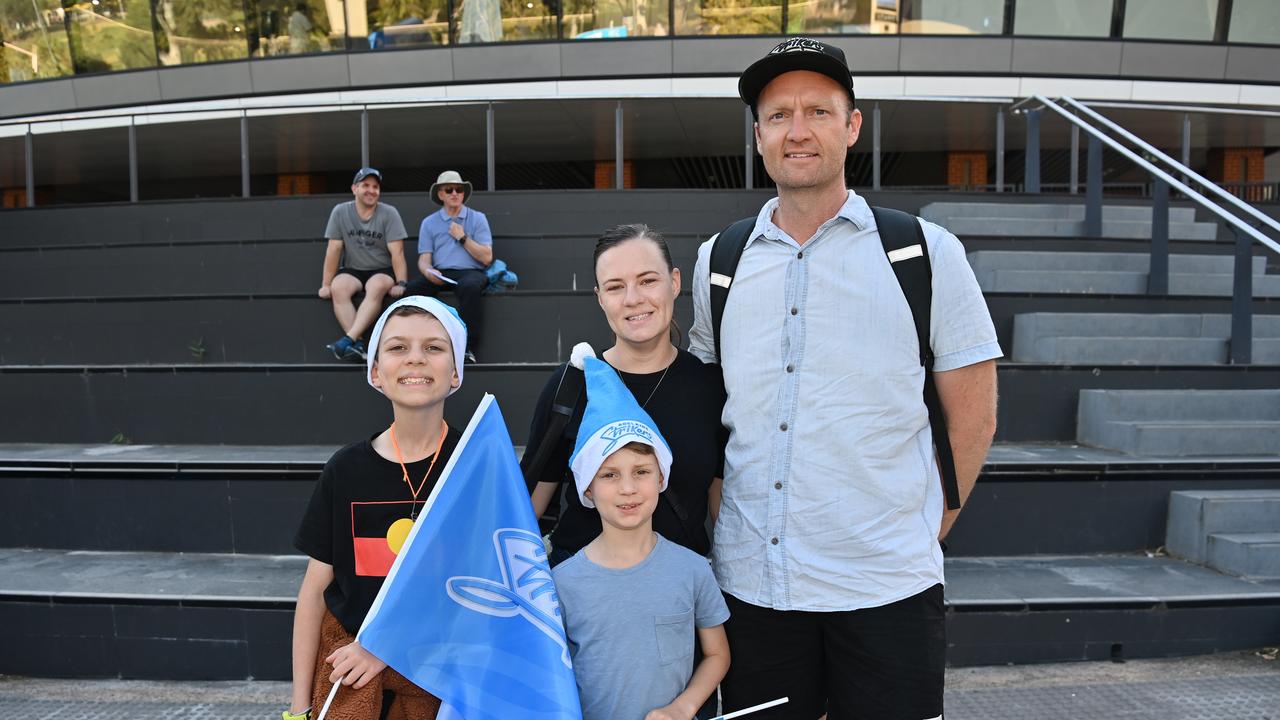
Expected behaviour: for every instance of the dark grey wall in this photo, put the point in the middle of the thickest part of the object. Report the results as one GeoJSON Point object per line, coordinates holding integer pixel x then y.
{"type": "Point", "coordinates": [640, 58]}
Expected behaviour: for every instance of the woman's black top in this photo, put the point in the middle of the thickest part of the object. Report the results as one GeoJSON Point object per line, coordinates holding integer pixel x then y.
{"type": "Point", "coordinates": [686, 407]}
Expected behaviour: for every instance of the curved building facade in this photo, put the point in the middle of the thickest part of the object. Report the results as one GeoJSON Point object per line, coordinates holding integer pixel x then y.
{"type": "Point", "coordinates": [117, 100]}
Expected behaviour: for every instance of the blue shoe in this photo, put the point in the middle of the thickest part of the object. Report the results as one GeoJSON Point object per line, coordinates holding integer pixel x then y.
{"type": "Point", "coordinates": [357, 351]}
{"type": "Point", "coordinates": [341, 347]}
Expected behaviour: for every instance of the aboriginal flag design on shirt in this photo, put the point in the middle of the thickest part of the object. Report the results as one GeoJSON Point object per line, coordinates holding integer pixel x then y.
{"type": "Point", "coordinates": [370, 524]}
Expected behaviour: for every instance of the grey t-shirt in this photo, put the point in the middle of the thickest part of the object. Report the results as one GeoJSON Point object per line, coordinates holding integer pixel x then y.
{"type": "Point", "coordinates": [365, 241]}
{"type": "Point", "coordinates": [631, 631]}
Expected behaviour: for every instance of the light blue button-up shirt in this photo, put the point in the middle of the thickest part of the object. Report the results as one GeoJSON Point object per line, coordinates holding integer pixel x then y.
{"type": "Point", "coordinates": [447, 253]}
{"type": "Point", "coordinates": [832, 496]}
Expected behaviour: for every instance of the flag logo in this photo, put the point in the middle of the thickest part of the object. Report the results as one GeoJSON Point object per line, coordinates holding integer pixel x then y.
{"type": "Point", "coordinates": [526, 588]}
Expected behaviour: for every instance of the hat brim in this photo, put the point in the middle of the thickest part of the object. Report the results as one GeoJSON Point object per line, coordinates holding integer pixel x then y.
{"type": "Point", "coordinates": [763, 71]}
{"type": "Point", "coordinates": [435, 191]}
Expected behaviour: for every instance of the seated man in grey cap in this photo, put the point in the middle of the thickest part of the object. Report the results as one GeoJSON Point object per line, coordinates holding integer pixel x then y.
{"type": "Point", "coordinates": [454, 248]}
{"type": "Point", "coordinates": [365, 254]}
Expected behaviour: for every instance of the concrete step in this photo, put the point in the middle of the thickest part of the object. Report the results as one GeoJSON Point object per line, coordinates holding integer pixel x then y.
{"type": "Point", "coordinates": [1128, 230]}
{"type": "Point", "coordinates": [1047, 211]}
{"type": "Point", "coordinates": [1182, 405]}
{"type": "Point", "coordinates": [1252, 555]}
{"type": "Point", "coordinates": [1055, 220]}
{"type": "Point", "coordinates": [1136, 339]}
{"type": "Point", "coordinates": [1181, 422]}
{"type": "Point", "coordinates": [1254, 437]}
{"type": "Point", "coordinates": [519, 327]}
{"type": "Point", "coordinates": [1194, 515]}
{"type": "Point", "coordinates": [1093, 282]}
{"type": "Point", "coordinates": [985, 260]}
{"type": "Point", "coordinates": [1132, 325]}
{"type": "Point", "coordinates": [1068, 350]}
{"type": "Point", "coordinates": [543, 263]}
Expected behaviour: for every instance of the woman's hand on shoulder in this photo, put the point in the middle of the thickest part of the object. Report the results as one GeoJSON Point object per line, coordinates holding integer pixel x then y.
{"type": "Point", "coordinates": [354, 665]}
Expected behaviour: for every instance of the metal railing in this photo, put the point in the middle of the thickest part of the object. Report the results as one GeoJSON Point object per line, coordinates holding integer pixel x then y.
{"type": "Point", "coordinates": [1240, 344]}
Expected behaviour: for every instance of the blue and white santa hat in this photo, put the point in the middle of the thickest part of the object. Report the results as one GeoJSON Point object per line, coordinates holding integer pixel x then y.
{"type": "Point", "coordinates": [448, 317]}
{"type": "Point", "coordinates": [612, 419]}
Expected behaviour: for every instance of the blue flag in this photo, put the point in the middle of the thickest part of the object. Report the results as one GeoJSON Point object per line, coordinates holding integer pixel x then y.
{"type": "Point", "coordinates": [469, 612]}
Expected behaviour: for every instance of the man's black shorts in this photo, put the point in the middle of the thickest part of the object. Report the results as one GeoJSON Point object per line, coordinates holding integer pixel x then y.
{"type": "Point", "coordinates": [883, 663]}
{"type": "Point", "coordinates": [364, 275]}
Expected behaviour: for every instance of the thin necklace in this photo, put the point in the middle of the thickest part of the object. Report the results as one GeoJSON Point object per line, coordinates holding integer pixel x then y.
{"type": "Point", "coordinates": [645, 404]}
{"type": "Point", "coordinates": [413, 512]}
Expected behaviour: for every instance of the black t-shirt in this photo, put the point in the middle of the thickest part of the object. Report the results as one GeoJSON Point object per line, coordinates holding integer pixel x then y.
{"type": "Point", "coordinates": [686, 407]}
{"type": "Point", "coordinates": [359, 495]}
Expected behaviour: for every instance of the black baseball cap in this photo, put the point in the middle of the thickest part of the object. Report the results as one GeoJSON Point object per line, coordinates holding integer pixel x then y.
{"type": "Point", "coordinates": [365, 172]}
{"type": "Point", "coordinates": [798, 53]}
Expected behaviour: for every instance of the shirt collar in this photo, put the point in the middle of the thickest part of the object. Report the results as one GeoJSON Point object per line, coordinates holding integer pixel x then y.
{"type": "Point", "coordinates": [462, 214]}
{"type": "Point", "coordinates": [855, 210]}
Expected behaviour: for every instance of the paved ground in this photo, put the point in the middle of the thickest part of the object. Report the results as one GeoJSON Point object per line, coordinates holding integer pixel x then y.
{"type": "Point", "coordinates": [1230, 686]}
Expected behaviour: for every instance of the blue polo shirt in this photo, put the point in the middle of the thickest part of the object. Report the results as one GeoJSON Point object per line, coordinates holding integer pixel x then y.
{"type": "Point", "coordinates": [447, 253]}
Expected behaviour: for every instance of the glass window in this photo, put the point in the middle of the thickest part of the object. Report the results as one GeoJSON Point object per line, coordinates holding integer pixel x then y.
{"type": "Point", "coordinates": [1082, 18]}
{"type": "Point", "coordinates": [551, 144]}
{"type": "Point", "coordinates": [13, 172]}
{"type": "Point", "coordinates": [486, 21]}
{"type": "Point", "coordinates": [681, 143]}
{"type": "Point", "coordinates": [110, 34]}
{"type": "Point", "coordinates": [34, 40]}
{"type": "Point", "coordinates": [412, 146]}
{"type": "Point", "coordinates": [847, 17]}
{"type": "Point", "coordinates": [296, 27]}
{"type": "Point", "coordinates": [616, 18]}
{"type": "Point", "coordinates": [81, 166]}
{"type": "Point", "coordinates": [402, 23]}
{"type": "Point", "coordinates": [1170, 19]}
{"type": "Point", "coordinates": [728, 17]}
{"type": "Point", "coordinates": [305, 153]}
{"type": "Point", "coordinates": [188, 159]}
{"type": "Point", "coordinates": [1255, 21]}
{"type": "Point", "coordinates": [953, 17]}
{"type": "Point", "coordinates": [196, 31]}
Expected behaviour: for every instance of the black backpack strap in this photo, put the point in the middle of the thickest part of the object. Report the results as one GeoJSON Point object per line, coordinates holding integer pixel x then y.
{"type": "Point", "coordinates": [908, 254]}
{"type": "Point", "coordinates": [568, 395]}
{"type": "Point", "coordinates": [725, 254]}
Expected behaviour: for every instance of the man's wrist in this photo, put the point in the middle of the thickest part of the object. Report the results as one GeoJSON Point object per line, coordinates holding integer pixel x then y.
{"type": "Point", "coordinates": [402, 283]}
{"type": "Point", "coordinates": [462, 240]}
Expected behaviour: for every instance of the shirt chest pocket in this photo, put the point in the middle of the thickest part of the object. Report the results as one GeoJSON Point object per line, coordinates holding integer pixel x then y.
{"type": "Point", "coordinates": [675, 637]}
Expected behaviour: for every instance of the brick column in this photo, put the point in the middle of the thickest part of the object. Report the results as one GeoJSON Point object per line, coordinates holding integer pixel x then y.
{"type": "Point", "coordinates": [605, 176]}
{"type": "Point", "coordinates": [1233, 166]}
{"type": "Point", "coordinates": [966, 169]}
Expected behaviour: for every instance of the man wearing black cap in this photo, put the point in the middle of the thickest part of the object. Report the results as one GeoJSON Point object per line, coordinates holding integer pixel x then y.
{"type": "Point", "coordinates": [827, 539]}
{"type": "Point", "coordinates": [365, 254]}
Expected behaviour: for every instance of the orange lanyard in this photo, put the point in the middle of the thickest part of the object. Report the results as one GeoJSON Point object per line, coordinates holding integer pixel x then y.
{"type": "Point", "coordinates": [400, 457]}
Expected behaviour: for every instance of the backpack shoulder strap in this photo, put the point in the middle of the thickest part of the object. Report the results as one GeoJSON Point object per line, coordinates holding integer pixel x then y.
{"type": "Point", "coordinates": [725, 254]}
{"type": "Point", "coordinates": [568, 395]}
{"type": "Point", "coordinates": [908, 254]}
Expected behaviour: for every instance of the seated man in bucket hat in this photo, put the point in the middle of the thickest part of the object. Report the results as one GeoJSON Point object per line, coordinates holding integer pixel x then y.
{"type": "Point", "coordinates": [454, 248]}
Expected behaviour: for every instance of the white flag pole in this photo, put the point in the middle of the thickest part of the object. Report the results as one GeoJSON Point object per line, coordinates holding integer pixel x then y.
{"type": "Point", "coordinates": [753, 708]}
{"type": "Point", "coordinates": [329, 700]}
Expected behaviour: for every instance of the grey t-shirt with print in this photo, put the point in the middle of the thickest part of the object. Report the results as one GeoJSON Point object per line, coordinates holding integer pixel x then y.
{"type": "Point", "coordinates": [364, 242]}
{"type": "Point", "coordinates": [631, 631]}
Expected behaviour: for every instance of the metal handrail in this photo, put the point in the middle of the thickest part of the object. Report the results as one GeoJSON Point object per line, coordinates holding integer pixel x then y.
{"type": "Point", "coordinates": [1188, 172]}
{"type": "Point", "coordinates": [1204, 202]}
